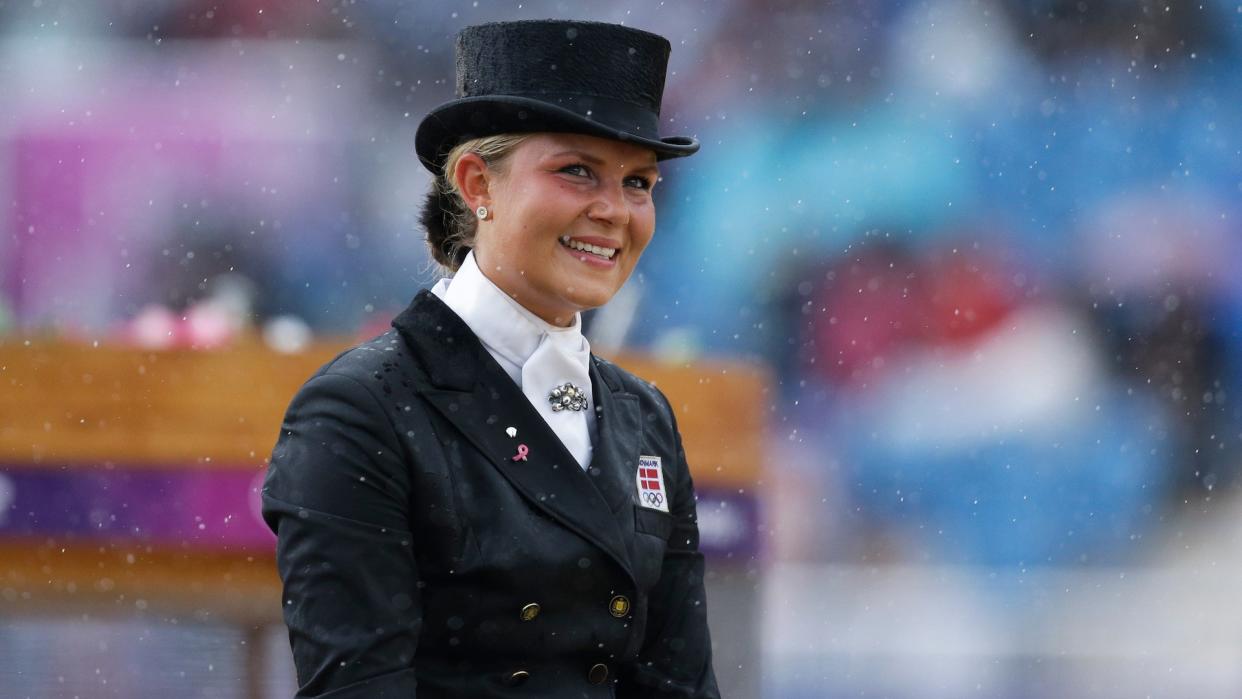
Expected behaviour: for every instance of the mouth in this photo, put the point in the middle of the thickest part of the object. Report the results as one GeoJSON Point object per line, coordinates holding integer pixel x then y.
{"type": "Point", "coordinates": [594, 251]}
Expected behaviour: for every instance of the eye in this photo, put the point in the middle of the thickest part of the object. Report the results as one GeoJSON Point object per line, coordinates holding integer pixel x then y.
{"type": "Point", "coordinates": [639, 182]}
{"type": "Point", "coordinates": [577, 169]}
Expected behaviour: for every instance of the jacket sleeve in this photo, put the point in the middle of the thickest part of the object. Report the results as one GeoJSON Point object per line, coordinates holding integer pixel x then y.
{"type": "Point", "coordinates": [676, 656]}
{"type": "Point", "coordinates": [336, 496]}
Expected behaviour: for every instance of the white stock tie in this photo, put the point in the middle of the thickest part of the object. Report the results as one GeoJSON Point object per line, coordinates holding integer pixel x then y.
{"type": "Point", "coordinates": [556, 361]}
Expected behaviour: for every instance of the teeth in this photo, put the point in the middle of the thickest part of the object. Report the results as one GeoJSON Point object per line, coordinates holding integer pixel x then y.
{"type": "Point", "coordinates": [606, 253]}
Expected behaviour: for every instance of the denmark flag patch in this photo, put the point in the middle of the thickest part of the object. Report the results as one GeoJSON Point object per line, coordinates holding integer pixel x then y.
{"type": "Point", "coordinates": [651, 493]}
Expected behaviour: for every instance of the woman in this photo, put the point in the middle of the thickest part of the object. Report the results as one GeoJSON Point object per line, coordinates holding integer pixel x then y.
{"type": "Point", "coordinates": [472, 505]}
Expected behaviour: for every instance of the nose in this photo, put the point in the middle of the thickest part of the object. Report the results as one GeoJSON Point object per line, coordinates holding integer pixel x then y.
{"type": "Point", "coordinates": [610, 205]}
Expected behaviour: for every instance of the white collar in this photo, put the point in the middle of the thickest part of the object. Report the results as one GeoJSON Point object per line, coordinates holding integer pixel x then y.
{"type": "Point", "coordinates": [502, 324]}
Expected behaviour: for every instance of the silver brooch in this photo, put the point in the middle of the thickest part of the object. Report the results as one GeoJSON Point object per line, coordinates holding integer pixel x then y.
{"type": "Point", "coordinates": [567, 397]}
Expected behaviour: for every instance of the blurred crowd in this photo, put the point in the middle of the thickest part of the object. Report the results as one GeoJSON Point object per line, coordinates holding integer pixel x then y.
{"type": "Point", "coordinates": [986, 246]}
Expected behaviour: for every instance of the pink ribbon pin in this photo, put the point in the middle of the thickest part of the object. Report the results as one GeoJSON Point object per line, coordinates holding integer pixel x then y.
{"type": "Point", "coordinates": [522, 452]}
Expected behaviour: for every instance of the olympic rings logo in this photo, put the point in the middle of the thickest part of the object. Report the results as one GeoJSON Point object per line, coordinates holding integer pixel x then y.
{"type": "Point", "coordinates": [653, 499]}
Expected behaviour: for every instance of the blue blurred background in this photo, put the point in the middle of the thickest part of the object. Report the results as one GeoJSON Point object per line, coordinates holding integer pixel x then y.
{"type": "Point", "coordinates": [988, 248]}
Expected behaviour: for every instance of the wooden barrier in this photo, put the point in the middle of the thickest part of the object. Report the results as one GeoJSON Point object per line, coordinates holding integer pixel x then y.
{"type": "Point", "coordinates": [79, 406]}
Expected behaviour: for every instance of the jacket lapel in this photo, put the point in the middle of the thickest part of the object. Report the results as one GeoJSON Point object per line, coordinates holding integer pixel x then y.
{"type": "Point", "coordinates": [473, 392]}
{"type": "Point", "coordinates": [614, 461]}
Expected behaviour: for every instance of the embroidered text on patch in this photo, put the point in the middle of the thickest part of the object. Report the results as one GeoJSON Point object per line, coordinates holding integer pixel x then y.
{"type": "Point", "coordinates": [650, 478]}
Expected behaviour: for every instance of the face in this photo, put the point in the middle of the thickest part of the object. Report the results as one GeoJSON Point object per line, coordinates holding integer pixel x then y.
{"type": "Point", "coordinates": [570, 216]}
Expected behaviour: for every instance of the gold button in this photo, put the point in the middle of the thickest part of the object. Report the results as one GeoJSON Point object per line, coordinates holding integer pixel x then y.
{"type": "Point", "coordinates": [619, 606]}
{"type": "Point", "coordinates": [517, 678]}
{"type": "Point", "coordinates": [598, 673]}
{"type": "Point", "coordinates": [530, 611]}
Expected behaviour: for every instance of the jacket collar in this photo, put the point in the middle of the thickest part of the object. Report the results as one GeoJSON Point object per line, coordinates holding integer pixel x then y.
{"type": "Point", "coordinates": [472, 392]}
{"type": "Point", "coordinates": [441, 341]}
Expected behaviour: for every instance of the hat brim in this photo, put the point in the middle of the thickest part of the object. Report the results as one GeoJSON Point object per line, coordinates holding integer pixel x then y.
{"type": "Point", "coordinates": [473, 117]}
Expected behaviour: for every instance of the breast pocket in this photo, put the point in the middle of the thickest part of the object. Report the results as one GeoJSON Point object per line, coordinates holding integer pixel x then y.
{"type": "Point", "coordinates": [653, 522]}
{"type": "Point", "coordinates": [652, 529]}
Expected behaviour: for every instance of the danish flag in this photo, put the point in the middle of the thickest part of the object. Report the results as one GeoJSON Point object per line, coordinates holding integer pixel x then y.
{"type": "Point", "coordinates": [650, 479]}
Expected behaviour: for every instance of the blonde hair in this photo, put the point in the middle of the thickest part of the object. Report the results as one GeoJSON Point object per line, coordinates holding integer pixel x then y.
{"type": "Point", "coordinates": [450, 225]}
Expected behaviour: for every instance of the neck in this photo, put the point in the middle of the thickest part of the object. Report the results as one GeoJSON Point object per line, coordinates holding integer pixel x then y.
{"type": "Point", "coordinates": [560, 318]}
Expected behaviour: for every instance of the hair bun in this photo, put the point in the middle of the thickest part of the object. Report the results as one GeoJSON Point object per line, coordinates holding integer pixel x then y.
{"type": "Point", "coordinates": [439, 213]}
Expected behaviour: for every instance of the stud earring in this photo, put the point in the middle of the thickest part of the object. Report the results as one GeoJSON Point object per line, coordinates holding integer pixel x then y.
{"type": "Point", "coordinates": [482, 213]}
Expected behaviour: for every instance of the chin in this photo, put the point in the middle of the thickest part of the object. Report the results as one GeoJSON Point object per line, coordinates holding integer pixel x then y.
{"type": "Point", "coordinates": [589, 299]}
{"type": "Point", "coordinates": [587, 290]}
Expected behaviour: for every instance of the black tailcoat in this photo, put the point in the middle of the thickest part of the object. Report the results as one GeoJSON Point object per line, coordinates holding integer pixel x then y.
{"type": "Point", "coordinates": [413, 547]}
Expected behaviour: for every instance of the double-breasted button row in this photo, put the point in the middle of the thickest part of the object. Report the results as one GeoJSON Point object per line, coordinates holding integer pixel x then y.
{"type": "Point", "coordinates": [618, 606]}
{"type": "Point", "coordinates": [598, 674]}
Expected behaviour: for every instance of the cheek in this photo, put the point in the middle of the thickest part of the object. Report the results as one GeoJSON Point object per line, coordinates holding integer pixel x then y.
{"type": "Point", "coordinates": [643, 229]}
{"type": "Point", "coordinates": [550, 210]}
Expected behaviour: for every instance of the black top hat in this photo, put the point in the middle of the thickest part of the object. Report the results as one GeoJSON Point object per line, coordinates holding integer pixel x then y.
{"type": "Point", "coordinates": [554, 75]}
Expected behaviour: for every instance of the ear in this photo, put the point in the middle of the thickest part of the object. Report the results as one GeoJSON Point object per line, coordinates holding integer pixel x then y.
{"type": "Point", "coordinates": [473, 180]}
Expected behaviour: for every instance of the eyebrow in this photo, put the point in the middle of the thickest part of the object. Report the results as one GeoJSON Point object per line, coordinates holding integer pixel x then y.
{"type": "Point", "coordinates": [593, 160]}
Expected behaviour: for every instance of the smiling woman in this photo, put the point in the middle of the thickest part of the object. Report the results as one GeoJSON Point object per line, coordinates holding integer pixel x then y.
{"type": "Point", "coordinates": [569, 216]}
{"type": "Point", "coordinates": [473, 505]}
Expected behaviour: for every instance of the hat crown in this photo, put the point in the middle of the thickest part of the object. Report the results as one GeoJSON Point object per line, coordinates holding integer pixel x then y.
{"type": "Point", "coordinates": [540, 58]}
{"type": "Point", "coordinates": [557, 76]}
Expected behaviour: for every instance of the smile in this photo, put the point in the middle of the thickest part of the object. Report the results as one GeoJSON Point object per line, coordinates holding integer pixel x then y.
{"type": "Point", "coordinates": [606, 253]}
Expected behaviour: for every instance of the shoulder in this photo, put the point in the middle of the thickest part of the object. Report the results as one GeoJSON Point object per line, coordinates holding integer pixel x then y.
{"type": "Point", "coordinates": [368, 360]}
{"type": "Point", "coordinates": [362, 375]}
{"type": "Point", "coordinates": [379, 365]}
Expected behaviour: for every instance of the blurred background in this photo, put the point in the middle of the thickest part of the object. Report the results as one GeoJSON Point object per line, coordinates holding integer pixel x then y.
{"type": "Point", "coordinates": [979, 259]}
